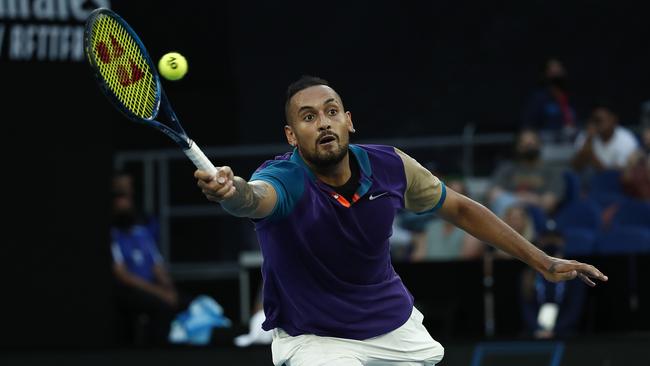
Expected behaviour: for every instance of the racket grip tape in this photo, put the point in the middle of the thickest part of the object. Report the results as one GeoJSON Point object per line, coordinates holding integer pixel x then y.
{"type": "Point", "coordinates": [199, 159]}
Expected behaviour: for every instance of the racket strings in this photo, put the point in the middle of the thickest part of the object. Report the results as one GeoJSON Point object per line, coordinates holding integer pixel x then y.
{"type": "Point", "coordinates": [123, 67]}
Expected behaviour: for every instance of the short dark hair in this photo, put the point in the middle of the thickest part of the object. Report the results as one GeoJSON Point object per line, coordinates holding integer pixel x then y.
{"type": "Point", "coordinates": [304, 82]}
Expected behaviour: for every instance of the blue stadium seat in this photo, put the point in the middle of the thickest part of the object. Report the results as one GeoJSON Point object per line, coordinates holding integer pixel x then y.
{"type": "Point", "coordinates": [572, 186]}
{"type": "Point", "coordinates": [538, 217]}
{"type": "Point", "coordinates": [623, 240]}
{"type": "Point", "coordinates": [605, 188]}
{"type": "Point", "coordinates": [583, 214]}
{"type": "Point", "coordinates": [633, 213]}
{"type": "Point", "coordinates": [508, 353]}
{"type": "Point", "coordinates": [579, 241]}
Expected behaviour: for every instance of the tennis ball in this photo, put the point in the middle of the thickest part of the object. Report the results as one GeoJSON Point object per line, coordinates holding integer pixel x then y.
{"type": "Point", "coordinates": [172, 66]}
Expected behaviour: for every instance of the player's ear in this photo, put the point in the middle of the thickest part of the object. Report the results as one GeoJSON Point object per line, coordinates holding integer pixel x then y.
{"type": "Point", "coordinates": [291, 137]}
{"type": "Point", "coordinates": [348, 117]}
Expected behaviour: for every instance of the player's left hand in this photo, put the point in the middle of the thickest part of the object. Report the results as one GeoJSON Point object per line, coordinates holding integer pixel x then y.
{"type": "Point", "coordinates": [564, 269]}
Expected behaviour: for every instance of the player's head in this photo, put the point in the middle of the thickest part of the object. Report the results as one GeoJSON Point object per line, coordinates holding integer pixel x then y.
{"type": "Point", "coordinates": [317, 122]}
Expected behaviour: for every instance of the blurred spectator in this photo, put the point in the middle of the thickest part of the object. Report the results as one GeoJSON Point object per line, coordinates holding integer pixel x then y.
{"type": "Point", "coordinates": [144, 288]}
{"type": "Point", "coordinates": [636, 175]}
{"type": "Point", "coordinates": [443, 240]}
{"type": "Point", "coordinates": [604, 144]}
{"type": "Point", "coordinates": [550, 309]}
{"type": "Point", "coordinates": [518, 218]}
{"type": "Point", "coordinates": [401, 241]}
{"type": "Point", "coordinates": [549, 108]}
{"type": "Point", "coordinates": [408, 229]}
{"type": "Point", "coordinates": [528, 180]}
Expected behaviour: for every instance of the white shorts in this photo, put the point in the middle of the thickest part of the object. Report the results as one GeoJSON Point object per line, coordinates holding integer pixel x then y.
{"type": "Point", "coordinates": [407, 345]}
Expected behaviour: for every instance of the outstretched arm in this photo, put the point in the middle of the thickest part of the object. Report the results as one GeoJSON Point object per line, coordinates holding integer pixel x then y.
{"type": "Point", "coordinates": [480, 222]}
{"type": "Point", "coordinates": [425, 192]}
{"type": "Point", "coordinates": [255, 199]}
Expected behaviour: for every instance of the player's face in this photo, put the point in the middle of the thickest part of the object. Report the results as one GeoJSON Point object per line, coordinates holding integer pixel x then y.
{"type": "Point", "coordinates": [319, 125]}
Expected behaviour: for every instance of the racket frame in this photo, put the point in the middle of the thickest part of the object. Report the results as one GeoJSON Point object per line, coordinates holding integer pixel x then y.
{"type": "Point", "coordinates": [176, 132]}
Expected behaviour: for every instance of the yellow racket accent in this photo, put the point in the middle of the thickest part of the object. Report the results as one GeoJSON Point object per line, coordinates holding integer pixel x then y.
{"type": "Point", "coordinates": [123, 67]}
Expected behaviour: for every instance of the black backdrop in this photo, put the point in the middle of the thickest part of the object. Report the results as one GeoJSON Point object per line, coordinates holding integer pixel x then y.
{"type": "Point", "coordinates": [404, 69]}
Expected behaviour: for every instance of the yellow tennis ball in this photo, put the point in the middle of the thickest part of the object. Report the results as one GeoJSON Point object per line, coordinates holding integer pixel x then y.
{"type": "Point", "coordinates": [172, 66]}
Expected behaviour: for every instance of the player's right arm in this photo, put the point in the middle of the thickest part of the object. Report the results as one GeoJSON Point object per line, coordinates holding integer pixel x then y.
{"type": "Point", "coordinates": [255, 199]}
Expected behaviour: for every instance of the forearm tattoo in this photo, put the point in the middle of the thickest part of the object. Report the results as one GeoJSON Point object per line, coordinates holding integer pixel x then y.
{"type": "Point", "coordinates": [246, 200]}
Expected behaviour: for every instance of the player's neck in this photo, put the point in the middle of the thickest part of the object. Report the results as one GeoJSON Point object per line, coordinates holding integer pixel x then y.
{"type": "Point", "coordinates": [335, 175]}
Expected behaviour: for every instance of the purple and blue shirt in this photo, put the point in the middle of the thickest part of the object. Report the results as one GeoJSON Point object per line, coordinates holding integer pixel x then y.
{"type": "Point", "coordinates": [327, 268]}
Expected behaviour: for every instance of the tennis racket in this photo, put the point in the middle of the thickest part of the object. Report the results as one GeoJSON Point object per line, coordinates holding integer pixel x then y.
{"type": "Point", "coordinates": [127, 76]}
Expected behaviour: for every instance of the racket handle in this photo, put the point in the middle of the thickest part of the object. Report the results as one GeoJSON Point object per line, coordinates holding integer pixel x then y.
{"type": "Point", "coordinates": [199, 159]}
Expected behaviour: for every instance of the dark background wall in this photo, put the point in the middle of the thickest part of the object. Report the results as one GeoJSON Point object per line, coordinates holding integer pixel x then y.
{"type": "Point", "coordinates": [403, 69]}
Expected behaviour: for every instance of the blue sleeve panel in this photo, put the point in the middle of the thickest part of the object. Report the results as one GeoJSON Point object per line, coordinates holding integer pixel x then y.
{"type": "Point", "coordinates": [288, 180]}
{"type": "Point", "coordinates": [435, 208]}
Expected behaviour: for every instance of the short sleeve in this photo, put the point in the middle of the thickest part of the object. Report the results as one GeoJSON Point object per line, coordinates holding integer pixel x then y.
{"type": "Point", "coordinates": [425, 193]}
{"type": "Point", "coordinates": [288, 180]}
{"type": "Point", "coordinates": [150, 244]}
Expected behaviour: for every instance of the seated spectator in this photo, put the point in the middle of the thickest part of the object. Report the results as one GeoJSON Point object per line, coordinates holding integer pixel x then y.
{"type": "Point", "coordinates": [444, 241]}
{"type": "Point", "coordinates": [528, 180]}
{"type": "Point", "coordinates": [550, 309]}
{"type": "Point", "coordinates": [518, 218]}
{"type": "Point", "coordinates": [143, 285]}
{"type": "Point", "coordinates": [636, 175]}
{"type": "Point", "coordinates": [549, 108]}
{"type": "Point", "coordinates": [604, 144]}
{"type": "Point", "coordinates": [408, 230]}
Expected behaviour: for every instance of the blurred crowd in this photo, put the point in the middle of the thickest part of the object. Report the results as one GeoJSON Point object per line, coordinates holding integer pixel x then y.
{"type": "Point", "coordinates": [578, 179]}
{"type": "Point", "coordinates": [573, 186]}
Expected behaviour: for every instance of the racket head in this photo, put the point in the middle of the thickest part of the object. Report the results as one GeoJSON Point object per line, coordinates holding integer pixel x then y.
{"type": "Point", "coordinates": [122, 66]}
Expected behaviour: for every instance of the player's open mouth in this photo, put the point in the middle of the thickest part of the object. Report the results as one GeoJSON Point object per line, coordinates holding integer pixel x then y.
{"type": "Point", "coordinates": [326, 139]}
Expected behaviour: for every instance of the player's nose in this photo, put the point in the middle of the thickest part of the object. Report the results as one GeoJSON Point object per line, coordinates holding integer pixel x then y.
{"type": "Point", "coordinates": [323, 122]}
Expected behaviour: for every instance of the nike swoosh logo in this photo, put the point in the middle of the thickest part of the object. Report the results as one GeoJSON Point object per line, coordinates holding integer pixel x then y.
{"type": "Point", "coordinates": [377, 196]}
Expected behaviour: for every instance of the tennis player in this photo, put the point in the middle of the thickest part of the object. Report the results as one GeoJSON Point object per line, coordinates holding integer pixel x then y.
{"type": "Point", "coordinates": [323, 214]}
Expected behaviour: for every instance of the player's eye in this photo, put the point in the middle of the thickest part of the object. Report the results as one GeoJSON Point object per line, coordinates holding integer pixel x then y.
{"type": "Point", "coordinates": [332, 112]}
{"type": "Point", "coordinates": [308, 117]}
